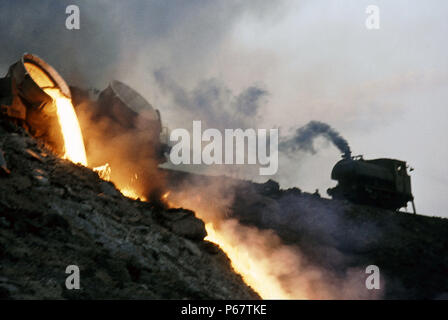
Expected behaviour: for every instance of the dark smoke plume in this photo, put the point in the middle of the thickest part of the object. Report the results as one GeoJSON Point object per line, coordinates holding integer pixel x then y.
{"type": "Point", "coordinates": [304, 138]}
{"type": "Point", "coordinates": [213, 102]}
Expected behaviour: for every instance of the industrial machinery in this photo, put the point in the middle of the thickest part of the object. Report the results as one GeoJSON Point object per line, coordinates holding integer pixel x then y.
{"type": "Point", "coordinates": [122, 129]}
{"type": "Point", "coordinates": [130, 110]}
{"type": "Point", "coordinates": [123, 105]}
{"type": "Point", "coordinates": [23, 98]}
{"type": "Point", "coordinates": [123, 111]}
{"type": "Point", "coordinates": [381, 182]}
{"type": "Point", "coordinates": [116, 128]}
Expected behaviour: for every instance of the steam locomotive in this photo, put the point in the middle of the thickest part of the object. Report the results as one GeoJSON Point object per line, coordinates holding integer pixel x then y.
{"type": "Point", "coordinates": [381, 182]}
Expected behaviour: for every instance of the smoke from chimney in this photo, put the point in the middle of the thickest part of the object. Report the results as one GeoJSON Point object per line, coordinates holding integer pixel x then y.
{"type": "Point", "coordinates": [304, 138]}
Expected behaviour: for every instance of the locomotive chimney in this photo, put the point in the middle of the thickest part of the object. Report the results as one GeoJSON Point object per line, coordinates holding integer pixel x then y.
{"type": "Point", "coordinates": [347, 155]}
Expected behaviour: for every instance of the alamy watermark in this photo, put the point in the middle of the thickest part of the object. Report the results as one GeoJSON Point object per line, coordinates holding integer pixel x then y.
{"type": "Point", "coordinates": [373, 18]}
{"type": "Point", "coordinates": [72, 22]}
{"type": "Point", "coordinates": [72, 282]}
{"type": "Point", "coordinates": [373, 280]}
{"type": "Point", "coordinates": [227, 148]}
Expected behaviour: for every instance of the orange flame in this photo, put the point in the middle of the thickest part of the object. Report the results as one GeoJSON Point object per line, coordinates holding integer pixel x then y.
{"type": "Point", "coordinates": [103, 171]}
{"type": "Point", "coordinates": [254, 273]}
{"type": "Point", "coordinates": [166, 195]}
{"type": "Point", "coordinates": [131, 193]}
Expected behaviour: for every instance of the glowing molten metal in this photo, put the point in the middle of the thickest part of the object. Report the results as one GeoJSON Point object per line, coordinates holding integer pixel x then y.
{"type": "Point", "coordinates": [244, 261]}
{"type": "Point", "coordinates": [71, 131]}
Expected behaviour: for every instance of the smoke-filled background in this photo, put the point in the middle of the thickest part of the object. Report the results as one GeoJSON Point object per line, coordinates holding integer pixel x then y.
{"type": "Point", "coordinates": [266, 64]}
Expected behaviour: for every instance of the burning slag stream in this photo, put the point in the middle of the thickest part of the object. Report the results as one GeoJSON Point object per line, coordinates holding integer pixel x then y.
{"type": "Point", "coordinates": [71, 131]}
{"type": "Point", "coordinates": [255, 270]}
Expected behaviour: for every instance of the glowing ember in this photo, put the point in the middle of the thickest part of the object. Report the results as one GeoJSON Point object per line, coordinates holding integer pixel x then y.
{"type": "Point", "coordinates": [166, 195]}
{"type": "Point", "coordinates": [71, 131]}
{"type": "Point", "coordinates": [131, 193]}
{"type": "Point", "coordinates": [104, 171]}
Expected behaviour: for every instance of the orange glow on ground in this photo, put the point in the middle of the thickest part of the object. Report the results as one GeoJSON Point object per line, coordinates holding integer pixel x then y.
{"type": "Point", "coordinates": [131, 193]}
{"type": "Point", "coordinates": [253, 271]}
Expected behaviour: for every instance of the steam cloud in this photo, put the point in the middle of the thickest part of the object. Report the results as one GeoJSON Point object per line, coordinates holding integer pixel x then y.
{"type": "Point", "coordinates": [304, 138]}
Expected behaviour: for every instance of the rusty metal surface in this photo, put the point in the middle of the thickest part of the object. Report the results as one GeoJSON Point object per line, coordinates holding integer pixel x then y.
{"type": "Point", "coordinates": [23, 98]}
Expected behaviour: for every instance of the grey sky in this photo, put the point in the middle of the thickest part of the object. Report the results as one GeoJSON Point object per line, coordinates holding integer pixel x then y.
{"type": "Point", "coordinates": [383, 90]}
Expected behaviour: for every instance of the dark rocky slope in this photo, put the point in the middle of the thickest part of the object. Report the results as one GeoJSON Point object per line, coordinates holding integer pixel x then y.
{"type": "Point", "coordinates": [54, 214]}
